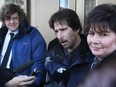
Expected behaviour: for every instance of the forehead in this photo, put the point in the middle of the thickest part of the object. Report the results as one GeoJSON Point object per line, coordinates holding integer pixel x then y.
{"type": "Point", "coordinates": [100, 27]}
{"type": "Point", "coordinates": [60, 25]}
{"type": "Point", "coordinates": [61, 22]}
{"type": "Point", "coordinates": [12, 15]}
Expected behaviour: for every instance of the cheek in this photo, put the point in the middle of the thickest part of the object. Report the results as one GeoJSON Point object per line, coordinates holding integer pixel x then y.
{"type": "Point", "coordinates": [17, 22]}
{"type": "Point", "coordinates": [68, 36]}
{"type": "Point", "coordinates": [6, 23]}
{"type": "Point", "coordinates": [88, 40]}
{"type": "Point", "coordinates": [111, 43]}
{"type": "Point", "coordinates": [72, 36]}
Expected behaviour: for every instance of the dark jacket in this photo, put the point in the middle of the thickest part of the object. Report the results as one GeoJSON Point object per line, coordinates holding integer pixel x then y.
{"type": "Point", "coordinates": [107, 60]}
{"type": "Point", "coordinates": [28, 45]}
{"type": "Point", "coordinates": [76, 64]}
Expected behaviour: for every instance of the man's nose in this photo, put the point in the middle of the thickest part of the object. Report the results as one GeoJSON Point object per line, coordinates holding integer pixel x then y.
{"type": "Point", "coordinates": [59, 35]}
{"type": "Point", "coordinates": [11, 20]}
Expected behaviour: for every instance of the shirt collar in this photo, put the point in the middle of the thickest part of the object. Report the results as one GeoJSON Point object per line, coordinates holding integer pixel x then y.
{"type": "Point", "coordinates": [15, 32]}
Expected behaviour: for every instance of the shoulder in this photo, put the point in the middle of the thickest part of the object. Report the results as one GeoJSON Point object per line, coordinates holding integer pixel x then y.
{"type": "Point", "coordinates": [34, 33]}
{"type": "Point", "coordinates": [31, 30]}
{"type": "Point", "coordinates": [53, 43]}
{"type": "Point", "coordinates": [56, 50]}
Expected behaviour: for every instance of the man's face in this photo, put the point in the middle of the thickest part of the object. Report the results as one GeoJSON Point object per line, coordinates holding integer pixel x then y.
{"type": "Point", "coordinates": [12, 23]}
{"type": "Point", "coordinates": [68, 38]}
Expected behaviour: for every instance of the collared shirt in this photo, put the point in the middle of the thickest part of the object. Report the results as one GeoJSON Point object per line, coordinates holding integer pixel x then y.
{"type": "Point", "coordinates": [95, 63]}
{"type": "Point", "coordinates": [5, 45]}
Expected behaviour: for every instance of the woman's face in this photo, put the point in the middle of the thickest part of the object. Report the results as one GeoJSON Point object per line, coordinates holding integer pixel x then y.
{"type": "Point", "coordinates": [101, 43]}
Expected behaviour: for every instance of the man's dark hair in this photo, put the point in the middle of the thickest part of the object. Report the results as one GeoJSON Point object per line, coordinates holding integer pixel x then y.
{"type": "Point", "coordinates": [67, 16]}
{"type": "Point", "coordinates": [102, 17]}
{"type": "Point", "coordinates": [8, 9]}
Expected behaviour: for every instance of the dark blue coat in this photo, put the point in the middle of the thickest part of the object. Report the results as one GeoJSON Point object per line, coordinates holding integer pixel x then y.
{"type": "Point", "coordinates": [77, 63]}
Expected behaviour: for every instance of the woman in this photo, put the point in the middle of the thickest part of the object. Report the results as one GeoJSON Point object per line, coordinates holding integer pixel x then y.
{"type": "Point", "coordinates": [101, 38]}
{"type": "Point", "coordinates": [101, 32]}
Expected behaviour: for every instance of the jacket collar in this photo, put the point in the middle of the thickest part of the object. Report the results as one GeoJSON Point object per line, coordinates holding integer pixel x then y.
{"type": "Point", "coordinates": [80, 51]}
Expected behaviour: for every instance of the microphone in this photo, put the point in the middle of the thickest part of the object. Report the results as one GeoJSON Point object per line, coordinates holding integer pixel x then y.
{"type": "Point", "coordinates": [61, 75]}
{"type": "Point", "coordinates": [35, 72]}
{"type": "Point", "coordinates": [23, 67]}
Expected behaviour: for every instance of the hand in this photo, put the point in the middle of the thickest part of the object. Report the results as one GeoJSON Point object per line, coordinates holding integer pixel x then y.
{"type": "Point", "coordinates": [20, 81]}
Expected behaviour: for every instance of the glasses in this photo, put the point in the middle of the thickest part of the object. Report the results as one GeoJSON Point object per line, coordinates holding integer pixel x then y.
{"type": "Point", "coordinates": [12, 18]}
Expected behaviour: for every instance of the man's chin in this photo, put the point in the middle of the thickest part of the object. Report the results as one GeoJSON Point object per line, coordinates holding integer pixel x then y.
{"type": "Point", "coordinates": [13, 30]}
{"type": "Point", "coordinates": [65, 46]}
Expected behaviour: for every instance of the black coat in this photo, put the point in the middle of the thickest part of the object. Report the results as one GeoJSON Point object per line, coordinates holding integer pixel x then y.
{"type": "Point", "coordinates": [76, 65]}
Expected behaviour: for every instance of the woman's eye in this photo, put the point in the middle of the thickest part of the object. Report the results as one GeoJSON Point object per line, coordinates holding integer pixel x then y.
{"type": "Point", "coordinates": [103, 34]}
{"type": "Point", "coordinates": [90, 33]}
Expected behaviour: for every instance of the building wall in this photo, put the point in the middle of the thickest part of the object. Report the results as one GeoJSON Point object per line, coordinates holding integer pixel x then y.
{"type": "Point", "coordinates": [105, 1]}
{"type": "Point", "coordinates": [41, 10]}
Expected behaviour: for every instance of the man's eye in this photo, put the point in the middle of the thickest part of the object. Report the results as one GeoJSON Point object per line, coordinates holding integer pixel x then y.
{"type": "Point", "coordinates": [56, 31]}
{"type": "Point", "coordinates": [63, 29]}
{"type": "Point", "coordinates": [15, 18]}
{"type": "Point", "coordinates": [7, 18]}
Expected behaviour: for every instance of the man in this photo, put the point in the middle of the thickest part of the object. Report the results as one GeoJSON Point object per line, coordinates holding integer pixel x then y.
{"type": "Point", "coordinates": [68, 61]}
{"type": "Point", "coordinates": [27, 45]}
